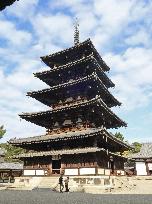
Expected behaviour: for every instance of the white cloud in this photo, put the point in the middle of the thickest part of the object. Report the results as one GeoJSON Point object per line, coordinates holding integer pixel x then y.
{"type": "Point", "coordinates": [140, 38]}
{"type": "Point", "coordinates": [108, 23]}
{"type": "Point", "coordinates": [55, 30]}
{"type": "Point", "coordinates": [24, 9]}
{"type": "Point", "coordinates": [114, 14]}
{"type": "Point", "coordinates": [13, 101]}
{"type": "Point", "coordinates": [131, 74]}
{"type": "Point", "coordinates": [104, 20]}
{"type": "Point", "coordinates": [9, 32]}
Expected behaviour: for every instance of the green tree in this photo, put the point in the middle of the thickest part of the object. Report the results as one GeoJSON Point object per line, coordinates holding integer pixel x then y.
{"type": "Point", "coordinates": [11, 151]}
{"type": "Point", "coordinates": [2, 131]}
{"type": "Point", "coordinates": [119, 136]}
{"type": "Point", "coordinates": [136, 146]}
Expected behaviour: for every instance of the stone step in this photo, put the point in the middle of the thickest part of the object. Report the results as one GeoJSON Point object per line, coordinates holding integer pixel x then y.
{"type": "Point", "coordinates": [82, 183]}
{"type": "Point", "coordinates": [25, 182]}
{"type": "Point", "coordinates": [52, 182]}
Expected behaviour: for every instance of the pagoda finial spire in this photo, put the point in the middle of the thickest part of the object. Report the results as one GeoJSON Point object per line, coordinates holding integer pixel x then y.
{"type": "Point", "coordinates": [76, 32]}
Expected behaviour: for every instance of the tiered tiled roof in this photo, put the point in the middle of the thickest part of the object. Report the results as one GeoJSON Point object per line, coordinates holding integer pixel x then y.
{"type": "Point", "coordinates": [61, 152]}
{"type": "Point", "coordinates": [72, 54]}
{"type": "Point", "coordinates": [88, 132]}
{"type": "Point", "coordinates": [46, 95]}
{"type": "Point", "coordinates": [92, 89]}
{"type": "Point", "coordinates": [46, 118]}
{"type": "Point", "coordinates": [50, 76]}
{"type": "Point", "coordinates": [66, 151]}
{"type": "Point", "coordinates": [79, 93]}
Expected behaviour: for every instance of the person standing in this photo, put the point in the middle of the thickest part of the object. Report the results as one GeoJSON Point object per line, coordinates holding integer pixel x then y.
{"type": "Point", "coordinates": [61, 183]}
{"type": "Point", "coordinates": [66, 181]}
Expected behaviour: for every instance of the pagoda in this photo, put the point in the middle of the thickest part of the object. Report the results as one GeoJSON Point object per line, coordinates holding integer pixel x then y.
{"type": "Point", "coordinates": [77, 141]}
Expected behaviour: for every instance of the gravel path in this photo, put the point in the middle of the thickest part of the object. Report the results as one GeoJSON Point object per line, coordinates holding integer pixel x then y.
{"type": "Point", "coordinates": [46, 196]}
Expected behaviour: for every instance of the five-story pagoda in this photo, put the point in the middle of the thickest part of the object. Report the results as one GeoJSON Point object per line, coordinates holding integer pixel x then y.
{"type": "Point", "coordinates": [76, 141]}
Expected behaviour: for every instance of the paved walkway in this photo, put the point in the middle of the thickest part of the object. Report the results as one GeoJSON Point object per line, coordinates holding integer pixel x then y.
{"type": "Point", "coordinates": [46, 196]}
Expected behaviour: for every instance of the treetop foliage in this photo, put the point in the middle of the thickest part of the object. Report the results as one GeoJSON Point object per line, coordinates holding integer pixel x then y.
{"type": "Point", "coordinates": [2, 131]}
{"type": "Point", "coordinates": [11, 151]}
{"type": "Point", "coordinates": [136, 145]}
{"type": "Point", "coordinates": [119, 136]}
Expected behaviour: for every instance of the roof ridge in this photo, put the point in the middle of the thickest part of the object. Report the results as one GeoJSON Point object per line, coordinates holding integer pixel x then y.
{"type": "Point", "coordinates": [86, 103]}
{"type": "Point", "coordinates": [65, 107]}
{"type": "Point", "coordinates": [70, 83]}
{"type": "Point", "coordinates": [91, 130]}
{"type": "Point", "coordinates": [64, 50]}
{"type": "Point", "coordinates": [64, 84]}
{"type": "Point", "coordinates": [110, 111]}
{"type": "Point", "coordinates": [89, 57]}
{"type": "Point", "coordinates": [63, 151]}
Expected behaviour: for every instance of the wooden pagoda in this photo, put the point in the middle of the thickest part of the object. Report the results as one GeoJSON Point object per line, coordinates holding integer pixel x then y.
{"type": "Point", "coordinates": [76, 141]}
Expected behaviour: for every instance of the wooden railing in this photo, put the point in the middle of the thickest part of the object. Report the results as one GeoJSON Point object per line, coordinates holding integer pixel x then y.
{"type": "Point", "coordinates": [82, 127]}
{"type": "Point", "coordinates": [67, 103]}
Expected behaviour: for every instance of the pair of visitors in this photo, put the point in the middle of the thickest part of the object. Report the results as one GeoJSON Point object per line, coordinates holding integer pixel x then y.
{"type": "Point", "coordinates": [66, 181]}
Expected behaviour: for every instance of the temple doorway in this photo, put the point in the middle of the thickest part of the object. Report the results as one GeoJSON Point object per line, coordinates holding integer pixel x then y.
{"type": "Point", "coordinates": [112, 165]}
{"type": "Point", "coordinates": [56, 165]}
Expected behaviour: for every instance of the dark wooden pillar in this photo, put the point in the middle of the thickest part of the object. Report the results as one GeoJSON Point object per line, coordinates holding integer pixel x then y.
{"type": "Point", "coordinates": [147, 168]}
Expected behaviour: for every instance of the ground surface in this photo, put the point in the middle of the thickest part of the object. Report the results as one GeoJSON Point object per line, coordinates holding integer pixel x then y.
{"type": "Point", "coordinates": [142, 186]}
{"type": "Point", "coordinates": [46, 196]}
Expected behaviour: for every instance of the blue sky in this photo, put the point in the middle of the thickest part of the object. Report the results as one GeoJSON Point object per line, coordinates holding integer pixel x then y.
{"type": "Point", "coordinates": [120, 30]}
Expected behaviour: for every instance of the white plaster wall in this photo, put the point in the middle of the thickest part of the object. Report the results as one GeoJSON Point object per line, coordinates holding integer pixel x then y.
{"type": "Point", "coordinates": [40, 172]}
{"type": "Point", "coordinates": [107, 172]}
{"type": "Point", "coordinates": [150, 166]}
{"type": "Point", "coordinates": [85, 171]}
{"type": "Point", "coordinates": [29, 172]}
{"type": "Point", "coordinates": [141, 169]}
{"type": "Point", "coordinates": [72, 172]}
{"type": "Point", "coordinates": [101, 171]}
